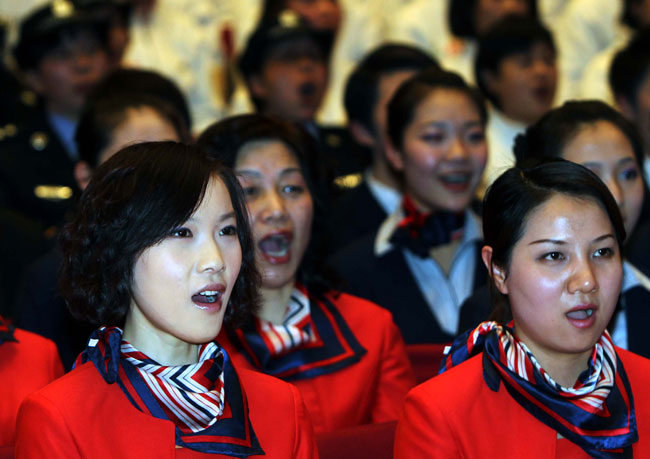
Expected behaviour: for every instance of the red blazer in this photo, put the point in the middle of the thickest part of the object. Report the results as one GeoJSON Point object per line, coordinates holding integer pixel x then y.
{"type": "Point", "coordinates": [369, 391]}
{"type": "Point", "coordinates": [25, 366]}
{"type": "Point", "coordinates": [457, 415]}
{"type": "Point", "coordinates": [80, 415]}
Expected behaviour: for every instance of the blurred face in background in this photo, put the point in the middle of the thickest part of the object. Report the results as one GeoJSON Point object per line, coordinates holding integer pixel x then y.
{"type": "Point", "coordinates": [487, 12]}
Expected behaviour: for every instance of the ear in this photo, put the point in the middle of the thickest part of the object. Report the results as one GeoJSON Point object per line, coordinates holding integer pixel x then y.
{"type": "Point", "coordinates": [497, 274]}
{"type": "Point", "coordinates": [257, 87]}
{"type": "Point", "coordinates": [361, 134]}
{"type": "Point", "coordinates": [626, 107]}
{"type": "Point", "coordinates": [33, 80]}
{"type": "Point", "coordinates": [82, 174]}
{"type": "Point", "coordinates": [394, 156]}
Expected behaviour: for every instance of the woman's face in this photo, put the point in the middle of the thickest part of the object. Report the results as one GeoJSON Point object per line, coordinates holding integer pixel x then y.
{"type": "Point", "coordinates": [443, 151]}
{"type": "Point", "coordinates": [604, 149]}
{"type": "Point", "coordinates": [564, 278]}
{"type": "Point", "coordinates": [181, 286]}
{"type": "Point", "coordinates": [280, 207]}
{"type": "Point", "coordinates": [487, 12]}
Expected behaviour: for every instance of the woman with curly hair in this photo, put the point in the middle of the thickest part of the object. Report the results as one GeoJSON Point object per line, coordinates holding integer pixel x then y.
{"type": "Point", "coordinates": [160, 254]}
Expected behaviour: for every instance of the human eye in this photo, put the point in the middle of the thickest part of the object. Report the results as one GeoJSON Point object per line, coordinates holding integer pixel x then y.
{"type": "Point", "coordinates": [604, 252]}
{"type": "Point", "coordinates": [230, 230]}
{"type": "Point", "coordinates": [432, 137]}
{"type": "Point", "coordinates": [181, 232]}
{"type": "Point", "coordinates": [476, 136]}
{"type": "Point", "coordinates": [553, 256]}
{"type": "Point", "coordinates": [250, 191]}
{"type": "Point", "coordinates": [630, 173]}
{"type": "Point", "coordinates": [293, 189]}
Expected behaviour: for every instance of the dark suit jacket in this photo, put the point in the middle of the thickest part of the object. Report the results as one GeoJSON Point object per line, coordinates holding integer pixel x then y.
{"type": "Point", "coordinates": [388, 281]}
{"type": "Point", "coordinates": [42, 310]}
{"type": "Point", "coordinates": [354, 214]}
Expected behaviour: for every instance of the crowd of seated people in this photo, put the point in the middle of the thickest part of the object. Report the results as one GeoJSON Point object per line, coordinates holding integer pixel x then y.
{"type": "Point", "coordinates": [252, 227]}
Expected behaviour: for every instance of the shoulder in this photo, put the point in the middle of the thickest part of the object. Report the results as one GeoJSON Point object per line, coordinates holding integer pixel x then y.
{"type": "Point", "coordinates": [355, 308]}
{"type": "Point", "coordinates": [636, 367]}
{"type": "Point", "coordinates": [360, 251]}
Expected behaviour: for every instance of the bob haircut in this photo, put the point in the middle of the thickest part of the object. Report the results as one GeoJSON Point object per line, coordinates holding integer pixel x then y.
{"type": "Point", "coordinates": [413, 91]}
{"type": "Point", "coordinates": [510, 35]}
{"type": "Point", "coordinates": [630, 68]}
{"type": "Point", "coordinates": [224, 140]}
{"type": "Point", "coordinates": [462, 15]}
{"type": "Point", "coordinates": [134, 200]}
{"type": "Point", "coordinates": [549, 136]}
{"type": "Point", "coordinates": [520, 190]}
{"type": "Point", "coordinates": [362, 87]}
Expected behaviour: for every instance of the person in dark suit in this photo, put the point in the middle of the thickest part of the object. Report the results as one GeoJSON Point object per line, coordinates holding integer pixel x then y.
{"type": "Point", "coordinates": [61, 53]}
{"type": "Point", "coordinates": [285, 67]}
{"type": "Point", "coordinates": [120, 111]}
{"type": "Point", "coordinates": [365, 204]}
{"type": "Point", "coordinates": [595, 135]}
{"type": "Point", "coordinates": [423, 261]}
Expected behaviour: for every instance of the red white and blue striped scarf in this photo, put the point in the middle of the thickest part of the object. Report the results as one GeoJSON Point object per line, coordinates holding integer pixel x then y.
{"type": "Point", "coordinates": [296, 331]}
{"type": "Point", "coordinates": [192, 396]}
{"type": "Point", "coordinates": [6, 331]}
{"type": "Point", "coordinates": [597, 413]}
{"type": "Point", "coordinates": [313, 340]}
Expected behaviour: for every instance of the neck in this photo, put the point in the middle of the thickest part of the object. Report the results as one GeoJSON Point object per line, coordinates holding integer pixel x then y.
{"type": "Point", "coordinates": [563, 368]}
{"type": "Point", "coordinates": [275, 302]}
{"type": "Point", "coordinates": [155, 344]}
{"type": "Point", "coordinates": [380, 171]}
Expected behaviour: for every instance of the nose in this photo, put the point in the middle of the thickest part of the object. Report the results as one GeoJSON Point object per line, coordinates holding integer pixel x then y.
{"type": "Point", "coordinates": [210, 258]}
{"type": "Point", "coordinates": [274, 209]}
{"type": "Point", "coordinates": [583, 279]}
{"type": "Point", "coordinates": [457, 149]}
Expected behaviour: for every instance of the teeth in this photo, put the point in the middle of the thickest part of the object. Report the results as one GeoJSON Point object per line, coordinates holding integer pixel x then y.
{"type": "Point", "coordinates": [589, 312]}
{"type": "Point", "coordinates": [209, 292]}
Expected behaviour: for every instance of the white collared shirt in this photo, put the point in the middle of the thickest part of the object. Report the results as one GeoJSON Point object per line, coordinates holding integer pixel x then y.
{"type": "Point", "coordinates": [387, 197]}
{"type": "Point", "coordinates": [444, 294]}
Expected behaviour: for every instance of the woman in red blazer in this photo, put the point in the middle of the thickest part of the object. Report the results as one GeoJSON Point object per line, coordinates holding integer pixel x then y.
{"type": "Point", "coordinates": [27, 363]}
{"type": "Point", "coordinates": [343, 353]}
{"type": "Point", "coordinates": [548, 380]}
{"type": "Point", "coordinates": [160, 252]}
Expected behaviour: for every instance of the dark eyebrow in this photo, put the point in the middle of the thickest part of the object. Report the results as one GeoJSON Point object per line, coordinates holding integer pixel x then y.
{"type": "Point", "coordinates": [227, 216]}
{"type": "Point", "coordinates": [561, 242]}
{"type": "Point", "coordinates": [258, 174]}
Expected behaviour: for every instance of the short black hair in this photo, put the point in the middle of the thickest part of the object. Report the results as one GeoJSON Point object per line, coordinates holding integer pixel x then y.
{"type": "Point", "coordinates": [107, 106]}
{"type": "Point", "coordinates": [462, 14]}
{"type": "Point", "coordinates": [361, 89]}
{"type": "Point", "coordinates": [627, 17]}
{"type": "Point", "coordinates": [510, 35]}
{"type": "Point", "coordinates": [134, 200]}
{"type": "Point", "coordinates": [630, 67]}
{"type": "Point", "coordinates": [224, 141]}
{"type": "Point", "coordinates": [413, 91]}
{"type": "Point", "coordinates": [46, 28]}
{"type": "Point", "coordinates": [549, 136]}
{"type": "Point", "coordinates": [519, 191]}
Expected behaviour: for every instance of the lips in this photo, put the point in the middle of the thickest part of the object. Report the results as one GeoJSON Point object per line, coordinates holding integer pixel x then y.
{"type": "Point", "coordinates": [457, 182]}
{"type": "Point", "coordinates": [276, 247]}
{"type": "Point", "coordinates": [543, 94]}
{"type": "Point", "coordinates": [583, 316]}
{"type": "Point", "coordinates": [209, 297]}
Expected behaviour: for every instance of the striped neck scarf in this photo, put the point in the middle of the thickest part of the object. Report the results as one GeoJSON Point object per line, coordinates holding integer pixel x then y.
{"type": "Point", "coordinates": [192, 396]}
{"type": "Point", "coordinates": [597, 413]}
{"type": "Point", "coordinates": [6, 331]}
{"type": "Point", "coordinates": [296, 331]}
{"type": "Point", "coordinates": [420, 232]}
{"type": "Point", "coordinates": [313, 340]}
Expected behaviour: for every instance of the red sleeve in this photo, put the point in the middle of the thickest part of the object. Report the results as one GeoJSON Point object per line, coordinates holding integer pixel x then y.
{"type": "Point", "coordinates": [305, 441]}
{"type": "Point", "coordinates": [423, 431]}
{"type": "Point", "coordinates": [395, 377]}
{"type": "Point", "coordinates": [41, 431]}
{"type": "Point", "coordinates": [56, 367]}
